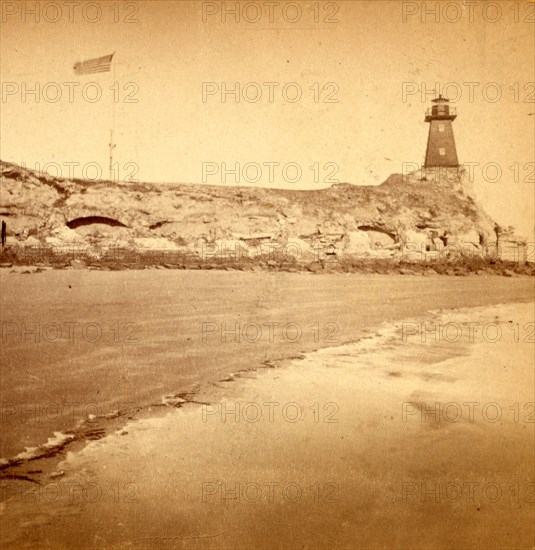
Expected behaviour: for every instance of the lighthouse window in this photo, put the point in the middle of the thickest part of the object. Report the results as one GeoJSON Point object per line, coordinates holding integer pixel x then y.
{"type": "Point", "coordinates": [441, 151]}
{"type": "Point", "coordinates": [441, 127]}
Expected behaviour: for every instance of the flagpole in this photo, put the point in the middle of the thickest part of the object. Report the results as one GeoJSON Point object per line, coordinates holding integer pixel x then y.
{"type": "Point", "coordinates": [112, 144]}
{"type": "Point", "coordinates": [100, 65]}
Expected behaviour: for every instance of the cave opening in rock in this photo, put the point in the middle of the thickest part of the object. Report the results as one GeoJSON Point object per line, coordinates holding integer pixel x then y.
{"type": "Point", "coordinates": [89, 220]}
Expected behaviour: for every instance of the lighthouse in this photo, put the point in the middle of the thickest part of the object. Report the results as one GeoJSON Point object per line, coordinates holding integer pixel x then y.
{"type": "Point", "coordinates": [441, 151]}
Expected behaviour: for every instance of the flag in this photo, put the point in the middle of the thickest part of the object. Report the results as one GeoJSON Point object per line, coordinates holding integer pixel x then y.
{"type": "Point", "coordinates": [91, 66]}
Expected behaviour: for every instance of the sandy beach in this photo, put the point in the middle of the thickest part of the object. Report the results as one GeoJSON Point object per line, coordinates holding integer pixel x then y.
{"type": "Point", "coordinates": [383, 440]}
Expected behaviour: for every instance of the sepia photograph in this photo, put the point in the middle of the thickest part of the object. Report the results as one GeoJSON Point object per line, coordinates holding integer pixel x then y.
{"type": "Point", "coordinates": [267, 275]}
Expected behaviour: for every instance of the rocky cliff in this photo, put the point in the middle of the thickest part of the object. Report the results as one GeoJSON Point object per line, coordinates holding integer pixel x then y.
{"type": "Point", "coordinates": [405, 214]}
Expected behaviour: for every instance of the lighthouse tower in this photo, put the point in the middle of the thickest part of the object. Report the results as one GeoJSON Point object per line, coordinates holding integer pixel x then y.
{"type": "Point", "coordinates": [441, 150]}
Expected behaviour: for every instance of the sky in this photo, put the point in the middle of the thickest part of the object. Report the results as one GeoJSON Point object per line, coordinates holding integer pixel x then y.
{"type": "Point", "coordinates": [327, 91]}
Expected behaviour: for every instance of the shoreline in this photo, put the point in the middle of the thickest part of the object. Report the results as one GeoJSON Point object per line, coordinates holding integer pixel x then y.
{"type": "Point", "coordinates": [164, 460]}
{"type": "Point", "coordinates": [162, 385]}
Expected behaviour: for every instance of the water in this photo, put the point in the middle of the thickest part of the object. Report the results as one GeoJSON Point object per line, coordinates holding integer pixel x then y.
{"type": "Point", "coordinates": [111, 343]}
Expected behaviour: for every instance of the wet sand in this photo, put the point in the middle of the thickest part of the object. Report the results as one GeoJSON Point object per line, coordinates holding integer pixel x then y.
{"type": "Point", "coordinates": [348, 458]}
{"type": "Point", "coordinates": [151, 342]}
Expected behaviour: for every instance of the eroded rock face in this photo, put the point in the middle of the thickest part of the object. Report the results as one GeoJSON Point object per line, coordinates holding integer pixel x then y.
{"type": "Point", "coordinates": [343, 219]}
